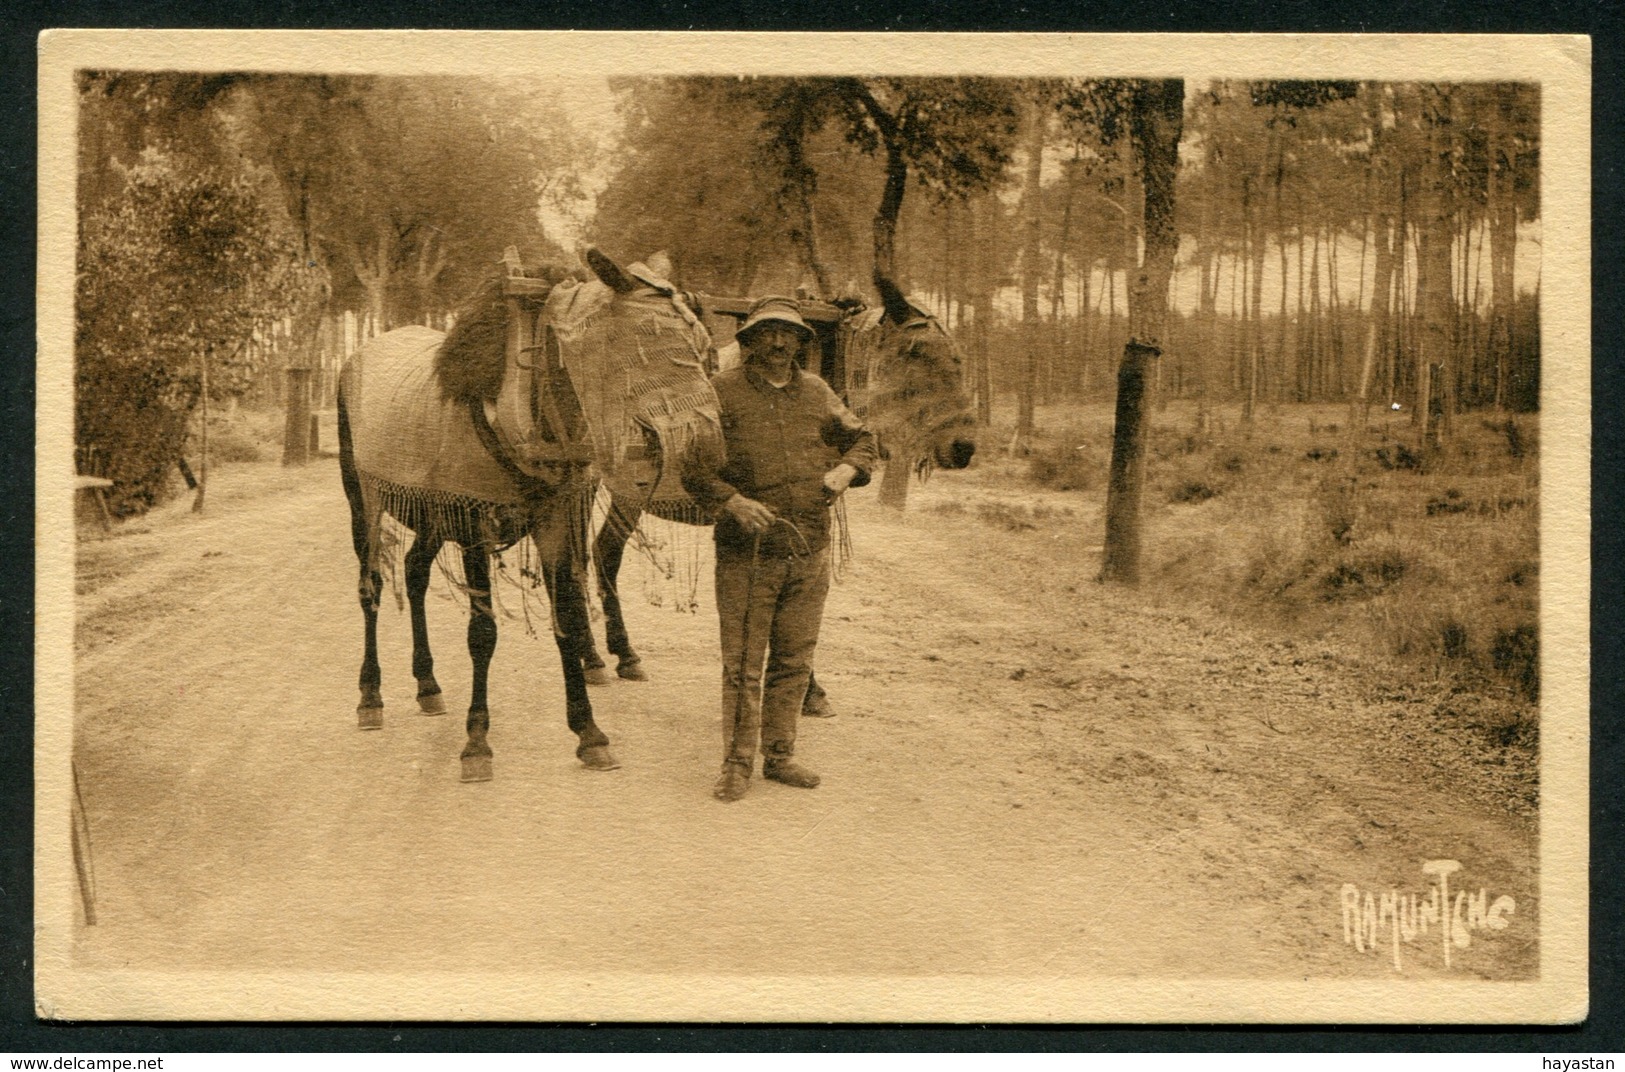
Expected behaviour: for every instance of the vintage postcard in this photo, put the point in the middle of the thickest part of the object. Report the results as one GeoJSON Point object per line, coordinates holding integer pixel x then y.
{"type": "Point", "coordinates": [756, 527]}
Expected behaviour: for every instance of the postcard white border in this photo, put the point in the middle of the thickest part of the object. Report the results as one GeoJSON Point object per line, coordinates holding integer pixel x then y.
{"type": "Point", "coordinates": [1561, 64]}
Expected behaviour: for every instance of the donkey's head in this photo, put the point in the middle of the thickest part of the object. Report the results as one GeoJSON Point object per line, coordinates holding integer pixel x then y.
{"type": "Point", "coordinates": [917, 400]}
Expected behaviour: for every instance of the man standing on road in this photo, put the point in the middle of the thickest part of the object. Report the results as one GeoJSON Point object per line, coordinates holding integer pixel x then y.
{"type": "Point", "coordinates": [791, 447]}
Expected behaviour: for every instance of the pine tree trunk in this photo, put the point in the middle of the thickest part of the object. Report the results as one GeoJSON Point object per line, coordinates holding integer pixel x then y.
{"type": "Point", "coordinates": [1255, 348]}
{"type": "Point", "coordinates": [1335, 324]}
{"type": "Point", "coordinates": [1400, 316]}
{"type": "Point", "coordinates": [1282, 348]}
{"type": "Point", "coordinates": [1155, 126]}
{"type": "Point", "coordinates": [1058, 351]}
{"type": "Point", "coordinates": [1503, 240]}
{"type": "Point", "coordinates": [982, 323]}
{"type": "Point", "coordinates": [1376, 325]}
{"type": "Point", "coordinates": [1315, 343]}
{"type": "Point", "coordinates": [891, 205]}
{"type": "Point", "coordinates": [1434, 291]}
{"type": "Point", "coordinates": [1238, 318]}
{"type": "Point", "coordinates": [1085, 320]}
{"type": "Point", "coordinates": [1301, 373]}
{"type": "Point", "coordinates": [894, 483]}
{"type": "Point", "coordinates": [1031, 270]}
{"type": "Point", "coordinates": [1484, 389]}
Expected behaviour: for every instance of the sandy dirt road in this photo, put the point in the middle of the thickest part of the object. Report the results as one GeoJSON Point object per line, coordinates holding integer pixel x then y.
{"type": "Point", "coordinates": [1032, 775]}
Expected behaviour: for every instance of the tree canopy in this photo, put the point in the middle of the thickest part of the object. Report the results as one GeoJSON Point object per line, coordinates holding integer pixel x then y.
{"type": "Point", "coordinates": [1335, 240]}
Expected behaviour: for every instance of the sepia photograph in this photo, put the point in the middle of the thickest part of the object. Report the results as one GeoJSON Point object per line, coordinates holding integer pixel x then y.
{"type": "Point", "coordinates": [813, 527]}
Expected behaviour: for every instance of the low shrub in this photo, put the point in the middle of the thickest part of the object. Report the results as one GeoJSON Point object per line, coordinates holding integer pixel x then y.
{"type": "Point", "coordinates": [1016, 517]}
{"type": "Point", "coordinates": [1499, 723]}
{"type": "Point", "coordinates": [235, 444]}
{"type": "Point", "coordinates": [1066, 467]}
{"type": "Point", "coordinates": [1398, 456]}
{"type": "Point", "coordinates": [1451, 503]}
{"type": "Point", "coordinates": [1526, 571]}
{"type": "Point", "coordinates": [1515, 653]}
{"type": "Point", "coordinates": [1364, 572]}
{"type": "Point", "coordinates": [1192, 491]}
{"type": "Point", "coordinates": [1453, 639]}
{"type": "Point", "coordinates": [1007, 516]}
{"type": "Point", "coordinates": [1337, 510]}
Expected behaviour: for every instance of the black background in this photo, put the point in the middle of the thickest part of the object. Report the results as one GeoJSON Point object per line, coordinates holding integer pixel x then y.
{"type": "Point", "coordinates": [21, 1032]}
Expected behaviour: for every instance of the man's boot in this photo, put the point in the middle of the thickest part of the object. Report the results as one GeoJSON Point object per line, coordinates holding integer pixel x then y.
{"type": "Point", "coordinates": [733, 783]}
{"type": "Point", "coordinates": [790, 773]}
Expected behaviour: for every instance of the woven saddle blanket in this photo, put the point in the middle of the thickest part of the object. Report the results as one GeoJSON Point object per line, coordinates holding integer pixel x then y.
{"type": "Point", "coordinates": [637, 364]}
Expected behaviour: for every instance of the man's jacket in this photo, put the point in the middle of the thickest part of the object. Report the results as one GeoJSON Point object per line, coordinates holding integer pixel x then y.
{"type": "Point", "coordinates": [779, 443]}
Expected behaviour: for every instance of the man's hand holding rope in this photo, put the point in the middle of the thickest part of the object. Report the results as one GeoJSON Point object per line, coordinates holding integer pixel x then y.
{"type": "Point", "coordinates": [752, 516]}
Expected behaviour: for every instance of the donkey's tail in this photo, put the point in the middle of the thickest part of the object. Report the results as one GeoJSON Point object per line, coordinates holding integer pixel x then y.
{"type": "Point", "coordinates": [352, 481]}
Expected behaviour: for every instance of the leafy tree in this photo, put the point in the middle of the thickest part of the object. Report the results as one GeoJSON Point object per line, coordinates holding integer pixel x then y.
{"type": "Point", "coordinates": [732, 174]}
{"type": "Point", "coordinates": [124, 114]}
{"type": "Point", "coordinates": [246, 198]}
{"type": "Point", "coordinates": [952, 134]}
{"type": "Point", "coordinates": [690, 183]}
{"type": "Point", "coordinates": [175, 275]}
{"type": "Point", "coordinates": [437, 176]}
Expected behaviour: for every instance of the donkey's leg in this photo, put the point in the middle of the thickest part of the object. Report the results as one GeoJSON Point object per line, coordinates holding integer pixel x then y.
{"type": "Point", "coordinates": [570, 608]}
{"type": "Point", "coordinates": [608, 550]}
{"type": "Point", "coordinates": [482, 643]}
{"type": "Point", "coordinates": [369, 712]}
{"type": "Point", "coordinates": [592, 664]}
{"type": "Point", "coordinates": [419, 566]}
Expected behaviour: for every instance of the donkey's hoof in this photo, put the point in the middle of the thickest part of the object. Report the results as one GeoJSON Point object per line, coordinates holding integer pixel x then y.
{"type": "Point", "coordinates": [598, 675]}
{"type": "Point", "coordinates": [369, 717]}
{"type": "Point", "coordinates": [596, 757]}
{"type": "Point", "coordinates": [433, 703]}
{"type": "Point", "coordinates": [631, 670]}
{"type": "Point", "coordinates": [476, 768]}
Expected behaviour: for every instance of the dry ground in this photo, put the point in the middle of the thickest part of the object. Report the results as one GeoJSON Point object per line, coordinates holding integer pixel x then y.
{"type": "Point", "coordinates": [1032, 775]}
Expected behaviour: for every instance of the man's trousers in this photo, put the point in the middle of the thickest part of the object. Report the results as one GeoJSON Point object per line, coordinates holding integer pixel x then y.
{"type": "Point", "coordinates": [770, 610]}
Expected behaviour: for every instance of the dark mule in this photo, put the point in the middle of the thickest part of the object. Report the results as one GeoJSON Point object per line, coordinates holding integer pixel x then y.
{"type": "Point", "coordinates": [899, 369]}
{"type": "Point", "coordinates": [500, 432]}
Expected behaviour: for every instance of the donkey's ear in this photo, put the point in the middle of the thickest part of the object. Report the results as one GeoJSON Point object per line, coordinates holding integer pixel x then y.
{"type": "Point", "coordinates": [896, 306]}
{"type": "Point", "coordinates": [609, 272]}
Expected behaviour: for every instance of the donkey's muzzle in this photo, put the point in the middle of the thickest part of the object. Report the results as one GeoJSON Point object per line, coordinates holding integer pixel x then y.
{"type": "Point", "coordinates": [956, 455]}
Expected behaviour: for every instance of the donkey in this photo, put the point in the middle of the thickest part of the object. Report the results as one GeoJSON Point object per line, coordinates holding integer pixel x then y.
{"type": "Point", "coordinates": [500, 431]}
{"type": "Point", "coordinates": [904, 377]}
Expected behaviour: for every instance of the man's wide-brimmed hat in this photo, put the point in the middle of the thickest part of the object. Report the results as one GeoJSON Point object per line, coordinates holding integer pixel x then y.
{"type": "Point", "coordinates": [777, 310]}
